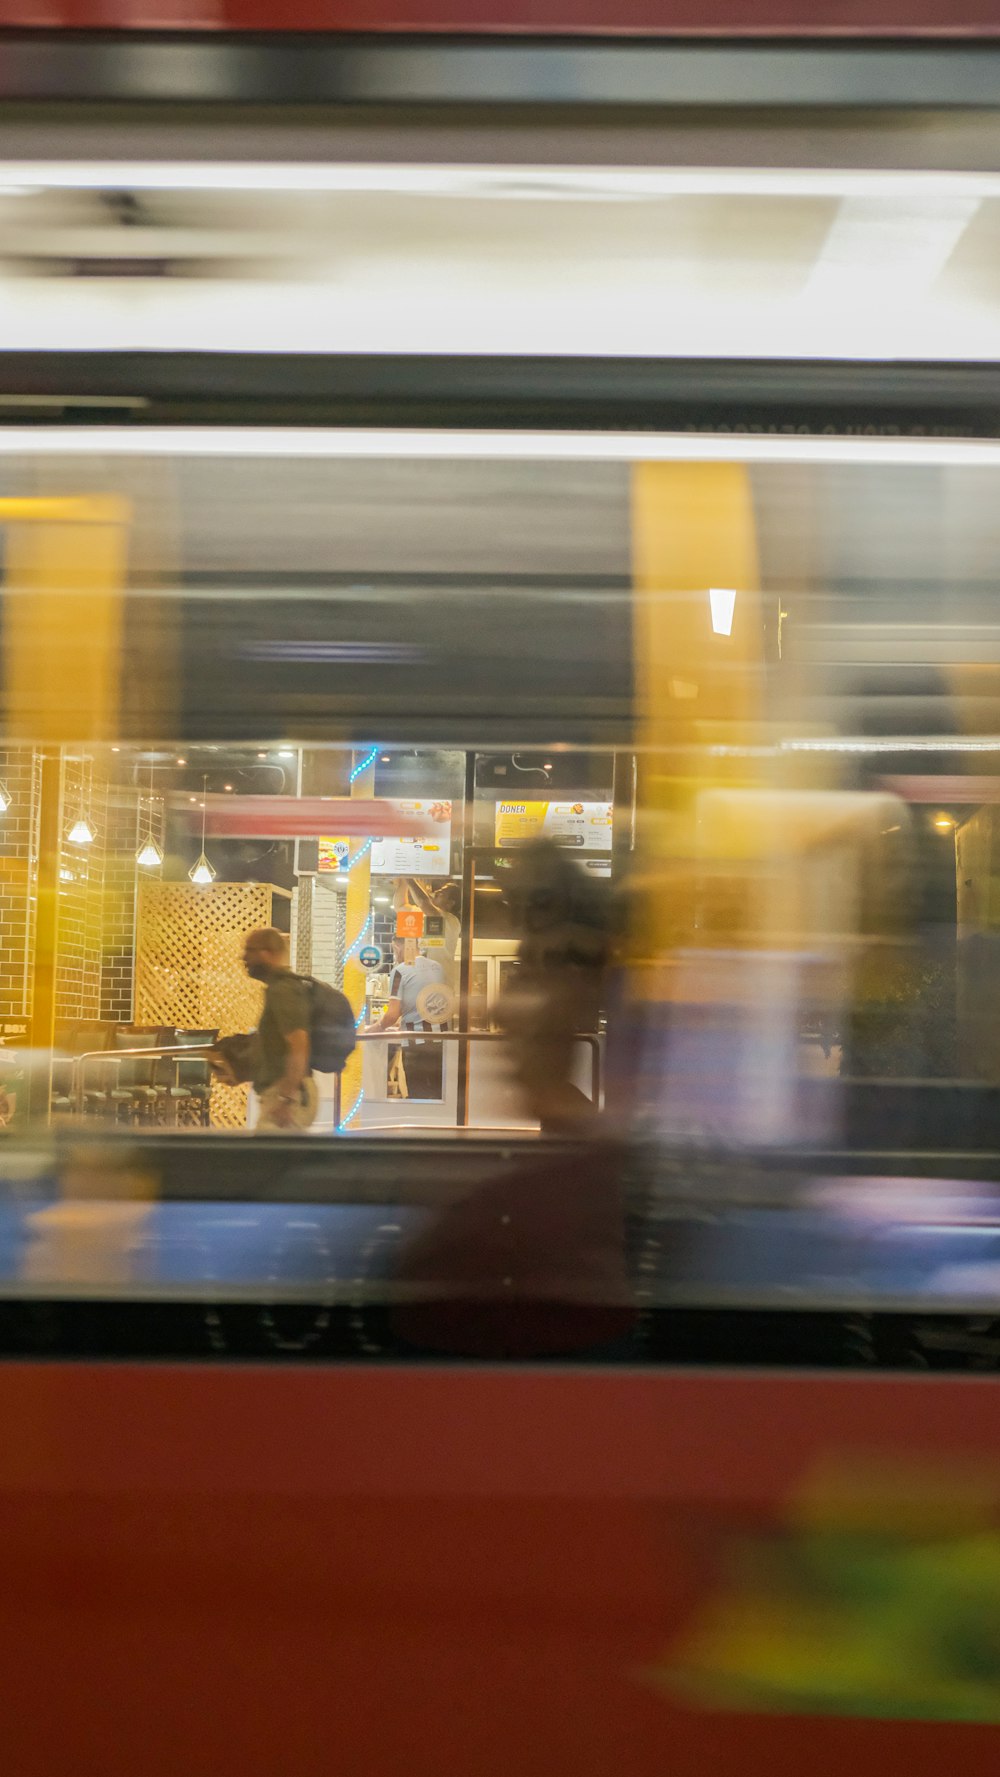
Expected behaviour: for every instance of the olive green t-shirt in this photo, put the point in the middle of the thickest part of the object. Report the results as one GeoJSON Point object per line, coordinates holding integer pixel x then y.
{"type": "Point", "coordinates": [286, 1008]}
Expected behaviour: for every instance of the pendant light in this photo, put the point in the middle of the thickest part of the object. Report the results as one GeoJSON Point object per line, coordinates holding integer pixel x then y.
{"type": "Point", "coordinates": [5, 797]}
{"type": "Point", "coordinates": [83, 831]}
{"type": "Point", "coordinates": [150, 853]}
{"type": "Point", "coordinates": [202, 873]}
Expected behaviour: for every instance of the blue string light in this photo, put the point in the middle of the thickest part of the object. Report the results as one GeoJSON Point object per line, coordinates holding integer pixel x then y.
{"type": "Point", "coordinates": [356, 1106]}
{"type": "Point", "coordinates": [359, 940]}
{"type": "Point", "coordinates": [363, 764]}
{"type": "Point", "coordinates": [365, 849]}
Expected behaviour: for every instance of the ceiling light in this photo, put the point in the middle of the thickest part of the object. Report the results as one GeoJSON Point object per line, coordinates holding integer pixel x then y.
{"type": "Point", "coordinates": [365, 444]}
{"type": "Point", "coordinates": [202, 873]}
{"type": "Point", "coordinates": [81, 832]}
{"type": "Point", "coordinates": [723, 603]}
{"type": "Point", "coordinates": [149, 854]}
{"type": "Point", "coordinates": [21, 178]}
{"type": "Point", "coordinates": [5, 797]}
{"type": "Point", "coordinates": [888, 744]}
{"type": "Point", "coordinates": [943, 823]}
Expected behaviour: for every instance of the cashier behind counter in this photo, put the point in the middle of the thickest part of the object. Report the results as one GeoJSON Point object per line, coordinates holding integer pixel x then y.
{"type": "Point", "coordinates": [422, 1062]}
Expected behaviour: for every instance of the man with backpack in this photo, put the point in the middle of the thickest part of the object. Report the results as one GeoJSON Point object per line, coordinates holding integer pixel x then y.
{"type": "Point", "coordinates": [305, 1026]}
{"type": "Point", "coordinates": [282, 1077]}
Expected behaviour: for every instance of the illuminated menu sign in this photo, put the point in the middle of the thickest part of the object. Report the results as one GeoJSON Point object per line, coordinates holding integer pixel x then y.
{"type": "Point", "coordinates": [582, 826]}
{"type": "Point", "coordinates": [430, 855]}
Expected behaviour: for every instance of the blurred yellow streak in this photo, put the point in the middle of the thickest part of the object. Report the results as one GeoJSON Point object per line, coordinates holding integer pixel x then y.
{"type": "Point", "coordinates": [65, 563]}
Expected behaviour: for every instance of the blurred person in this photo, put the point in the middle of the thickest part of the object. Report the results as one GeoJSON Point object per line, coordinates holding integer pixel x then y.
{"type": "Point", "coordinates": [530, 1264]}
{"type": "Point", "coordinates": [564, 957]}
{"type": "Point", "coordinates": [422, 1062]}
{"type": "Point", "coordinates": [282, 1074]}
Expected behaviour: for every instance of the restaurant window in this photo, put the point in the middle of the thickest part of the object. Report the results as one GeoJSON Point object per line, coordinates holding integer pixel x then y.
{"type": "Point", "coordinates": [137, 873]}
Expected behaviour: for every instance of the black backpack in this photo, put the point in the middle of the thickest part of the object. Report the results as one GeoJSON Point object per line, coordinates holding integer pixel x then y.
{"type": "Point", "coordinates": [331, 1027]}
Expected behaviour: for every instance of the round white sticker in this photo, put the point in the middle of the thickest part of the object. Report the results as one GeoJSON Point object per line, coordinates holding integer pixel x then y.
{"type": "Point", "coordinates": [435, 1002]}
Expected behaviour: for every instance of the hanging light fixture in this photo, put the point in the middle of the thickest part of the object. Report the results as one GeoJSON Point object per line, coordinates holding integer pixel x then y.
{"type": "Point", "coordinates": [202, 873]}
{"type": "Point", "coordinates": [5, 797]}
{"type": "Point", "coordinates": [150, 853]}
{"type": "Point", "coordinates": [83, 831]}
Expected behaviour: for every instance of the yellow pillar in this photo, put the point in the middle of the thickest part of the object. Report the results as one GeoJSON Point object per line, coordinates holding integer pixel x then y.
{"type": "Point", "coordinates": [693, 532]}
{"type": "Point", "coordinates": [62, 617]}
{"type": "Point", "coordinates": [65, 567]}
{"type": "Point", "coordinates": [358, 931]}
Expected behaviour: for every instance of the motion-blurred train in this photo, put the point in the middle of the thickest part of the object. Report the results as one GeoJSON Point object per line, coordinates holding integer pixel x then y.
{"type": "Point", "coordinates": [485, 1450]}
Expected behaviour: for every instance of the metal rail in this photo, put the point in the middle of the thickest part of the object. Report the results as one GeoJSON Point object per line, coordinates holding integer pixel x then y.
{"type": "Point", "coordinates": [394, 1035]}
{"type": "Point", "coordinates": [189, 1050]}
{"type": "Point", "coordinates": [192, 1052]}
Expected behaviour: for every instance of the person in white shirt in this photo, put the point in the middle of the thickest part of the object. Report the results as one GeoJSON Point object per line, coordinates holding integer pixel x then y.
{"type": "Point", "coordinates": [422, 1062]}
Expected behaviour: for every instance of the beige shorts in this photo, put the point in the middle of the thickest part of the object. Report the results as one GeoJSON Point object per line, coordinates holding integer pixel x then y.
{"type": "Point", "coordinates": [303, 1114]}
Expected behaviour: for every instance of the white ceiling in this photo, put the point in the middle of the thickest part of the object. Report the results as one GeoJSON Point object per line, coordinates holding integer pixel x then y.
{"type": "Point", "coordinates": [613, 261]}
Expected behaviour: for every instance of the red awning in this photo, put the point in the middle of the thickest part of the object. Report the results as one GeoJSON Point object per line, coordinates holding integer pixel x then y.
{"type": "Point", "coordinates": [303, 817]}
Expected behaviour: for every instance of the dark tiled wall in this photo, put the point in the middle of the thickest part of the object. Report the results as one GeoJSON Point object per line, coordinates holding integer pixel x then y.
{"type": "Point", "coordinates": [81, 882]}
{"type": "Point", "coordinates": [118, 905]}
{"type": "Point", "coordinates": [97, 890]}
{"type": "Point", "coordinates": [18, 863]}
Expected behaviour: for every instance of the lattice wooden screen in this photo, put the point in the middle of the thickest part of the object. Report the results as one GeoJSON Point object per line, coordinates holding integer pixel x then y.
{"type": "Point", "coordinates": [189, 967]}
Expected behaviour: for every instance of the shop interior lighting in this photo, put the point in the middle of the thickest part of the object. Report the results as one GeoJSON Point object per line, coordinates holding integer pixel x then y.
{"type": "Point", "coordinates": [982, 743]}
{"type": "Point", "coordinates": [722, 600]}
{"type": "Point", "coordinates": [363, 764]}
{"type": "Point", "coordinates": [150, 852]}
{"type": "Point", "coordinates": [83, 831]}
{"type": "Point", "coordinates": [5, 797]}
{"type": "Point", "coordinates": [202, 873]}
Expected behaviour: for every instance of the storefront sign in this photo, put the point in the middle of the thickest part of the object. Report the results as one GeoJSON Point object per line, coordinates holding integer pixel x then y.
{"type": "Point", "coordinates": [409, 922]}
{"type": "Point", "coordinates": [414, 840]}
{"type": "Point", "coordinates": [411, 854]}
{"type": "Point", "coordinates": [584, 826]}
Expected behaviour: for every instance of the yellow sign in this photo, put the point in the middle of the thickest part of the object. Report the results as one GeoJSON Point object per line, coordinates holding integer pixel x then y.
{"type": "Point", "coordinates": [584, 826]}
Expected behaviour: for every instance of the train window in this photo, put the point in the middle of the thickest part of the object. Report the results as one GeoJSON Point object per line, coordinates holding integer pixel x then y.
{"type": "Point", "coordinates": [629, 841]}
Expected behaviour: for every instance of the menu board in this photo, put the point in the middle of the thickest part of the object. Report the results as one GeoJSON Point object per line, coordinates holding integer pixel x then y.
{"type": "Point", "coordinates": [427, 856]}
{"type": "Point", "coordinates": [584, 826]}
